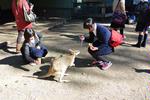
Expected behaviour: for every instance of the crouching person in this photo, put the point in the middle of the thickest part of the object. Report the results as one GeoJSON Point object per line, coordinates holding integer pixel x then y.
{"type": "Point", "coordinates": [32, 50]}
{"type": "Point", "coordinates": [99, 47]}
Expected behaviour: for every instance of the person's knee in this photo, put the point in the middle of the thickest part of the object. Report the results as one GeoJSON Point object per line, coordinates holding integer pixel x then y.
{"type": "Point", "coordinates": [45, 50]}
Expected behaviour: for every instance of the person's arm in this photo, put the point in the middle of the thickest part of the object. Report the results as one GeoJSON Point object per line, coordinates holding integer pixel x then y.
{"type": "Point", "coordinates": [39, 37]}
{"type": "Point", "coordinates": [103, 45]}
{"type": "Point", "coordinates": [103, 37]}
{"type": "Point", "coordinates": [90, 38]}
{"type": "Point", "coordinates": [27, 54]}
{"type": "Point", "coordinates": [13, 7]}
{"type": "Point", "coordinates": [114, 5]}
{"type": "Point", "coordinates": [28, 6]}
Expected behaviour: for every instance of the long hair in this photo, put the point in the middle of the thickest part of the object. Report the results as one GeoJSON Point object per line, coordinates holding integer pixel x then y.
{"type": "Point", "coordinates": [28, 34]}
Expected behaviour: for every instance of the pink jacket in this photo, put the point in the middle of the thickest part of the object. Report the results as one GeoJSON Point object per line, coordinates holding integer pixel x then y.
{"type": "Point", "coordinates": [19, 16]}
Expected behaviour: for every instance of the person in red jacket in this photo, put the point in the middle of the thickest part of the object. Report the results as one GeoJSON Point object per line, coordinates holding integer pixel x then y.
{"type": "Point", "coordinates": [17, 9]}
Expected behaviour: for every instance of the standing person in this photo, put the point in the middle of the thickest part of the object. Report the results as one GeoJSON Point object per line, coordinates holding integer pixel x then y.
{"type": "Point", "coordinates": [119, 6]}
{"type": "Point", "coordinates": [17, 9]}
{"type": "Point", "coordinates": [143, 23]}
{"type": "Point", "coordinates": [32, 50]}
{"type": "Point", "coordinates": [99, 37]}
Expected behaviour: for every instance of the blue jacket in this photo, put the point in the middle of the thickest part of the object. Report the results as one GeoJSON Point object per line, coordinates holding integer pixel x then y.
{"type": "Point", "coordinates": [101, 40]}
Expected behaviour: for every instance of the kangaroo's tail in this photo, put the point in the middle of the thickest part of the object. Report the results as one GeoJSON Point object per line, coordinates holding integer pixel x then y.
{"type": "Point", "coordinates": [50, 73]}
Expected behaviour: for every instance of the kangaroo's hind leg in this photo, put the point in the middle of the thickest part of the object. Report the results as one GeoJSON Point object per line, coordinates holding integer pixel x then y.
{"type": "Point", "coordinates": [61, 77]}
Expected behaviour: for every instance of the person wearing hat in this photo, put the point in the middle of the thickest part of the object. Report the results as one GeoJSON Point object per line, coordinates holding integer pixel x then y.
{"type": "Point", "coordinates": [32, 50]}
{"type": "Point", "coordinates": [99, 47]}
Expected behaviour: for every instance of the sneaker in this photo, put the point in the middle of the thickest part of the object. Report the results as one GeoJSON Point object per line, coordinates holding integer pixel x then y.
{"type": "Point", "coordinates": [96, 62]}
{"type": "Point", "coordinates": [100, 63]}
{"type": "Point", "coordinates": [123, 36]}
{"type": "Point", "coordinates": [106, 65]}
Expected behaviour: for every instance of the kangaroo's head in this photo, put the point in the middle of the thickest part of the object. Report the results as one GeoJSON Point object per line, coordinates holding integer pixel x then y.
{"type": "Point", "coordinates": [74, 52]}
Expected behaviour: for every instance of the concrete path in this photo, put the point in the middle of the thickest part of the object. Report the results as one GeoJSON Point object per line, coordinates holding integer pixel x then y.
{"type": "Point", "coordinates": [127, 79]}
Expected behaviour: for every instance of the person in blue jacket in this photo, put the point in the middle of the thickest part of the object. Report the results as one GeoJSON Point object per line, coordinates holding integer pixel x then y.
{"type": "Point", "coordinates": [99, 47]}
{"type": "Point", "coordinates": [32, 49]}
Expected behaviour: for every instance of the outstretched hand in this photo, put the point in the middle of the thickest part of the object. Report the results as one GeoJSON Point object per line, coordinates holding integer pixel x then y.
{"type": "Point", "coordinates": [92, 47]}
{"type": "Point", "coordinates": [82, 37]}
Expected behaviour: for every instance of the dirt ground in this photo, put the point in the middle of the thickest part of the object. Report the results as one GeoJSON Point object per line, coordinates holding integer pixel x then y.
{"type": "Point", "coordinates": [127, 79]}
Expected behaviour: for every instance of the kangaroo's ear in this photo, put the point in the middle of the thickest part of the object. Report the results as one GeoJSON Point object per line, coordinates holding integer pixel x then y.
{"type": "Point", "coordinates": [71, 50]}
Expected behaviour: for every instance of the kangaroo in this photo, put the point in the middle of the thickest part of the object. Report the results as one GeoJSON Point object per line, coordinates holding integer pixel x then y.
{"type": "Point", "coordinates": [60, 64]}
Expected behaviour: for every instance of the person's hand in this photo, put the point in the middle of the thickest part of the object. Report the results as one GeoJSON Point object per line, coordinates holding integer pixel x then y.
{"type": "Point", "coordinates": [38, 47]}
{"type": "Point", "coordinates": [92, 47]}
{"type": "Point", "coordinates": [82, 37]}
{"type": "Point", "coordinates": [37, 62]}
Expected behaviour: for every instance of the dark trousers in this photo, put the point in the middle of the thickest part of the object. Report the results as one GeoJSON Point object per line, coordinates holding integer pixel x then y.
{"type": "Point", "coordinates": [38, 53]}
{"type": "Point", "coordinates": [95, 55]}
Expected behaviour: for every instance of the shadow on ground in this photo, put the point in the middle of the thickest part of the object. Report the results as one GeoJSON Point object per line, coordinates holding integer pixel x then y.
{"type": "Point", "coordinates": [83, 63]}
{"type": "Point", "coordinates": [79, 62]}
{"type": "Point", "coordinates": [73, 37]}
{"type": "Point", "coordinates": [142, 70]}
{"type": "Point", "coordinates": [14, 61]}
{"type": "Point", "coordinates": [4, 46]}
{"type": "Point", "coordinates": [44, 69]}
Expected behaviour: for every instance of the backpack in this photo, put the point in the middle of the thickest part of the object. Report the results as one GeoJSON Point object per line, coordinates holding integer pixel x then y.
{"type": "Point", "coordinates": [115, 39]}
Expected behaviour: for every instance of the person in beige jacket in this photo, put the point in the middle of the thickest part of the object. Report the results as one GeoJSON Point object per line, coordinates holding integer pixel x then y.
{"type": "Point", "coordinates": [119, 5]}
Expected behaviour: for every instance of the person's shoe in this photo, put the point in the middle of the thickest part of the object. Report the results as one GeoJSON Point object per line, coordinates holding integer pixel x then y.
{"type": "Point", "coordinates": [94, 62]}
{"type": "Point", "coordinates": [123, 36]}
{"type": "Point", "coordinates": [137, 45]}
{"type": "Point", "coordinates": [100, 63]}
{"type": "Point", "coordinates": [143, 44]}
{"type": "Point", "coordinates": [106, 65]}
{"type": "Point", "coordinates": [97, 62]}
{"type": "Point", "coordinates": [18, 48]}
